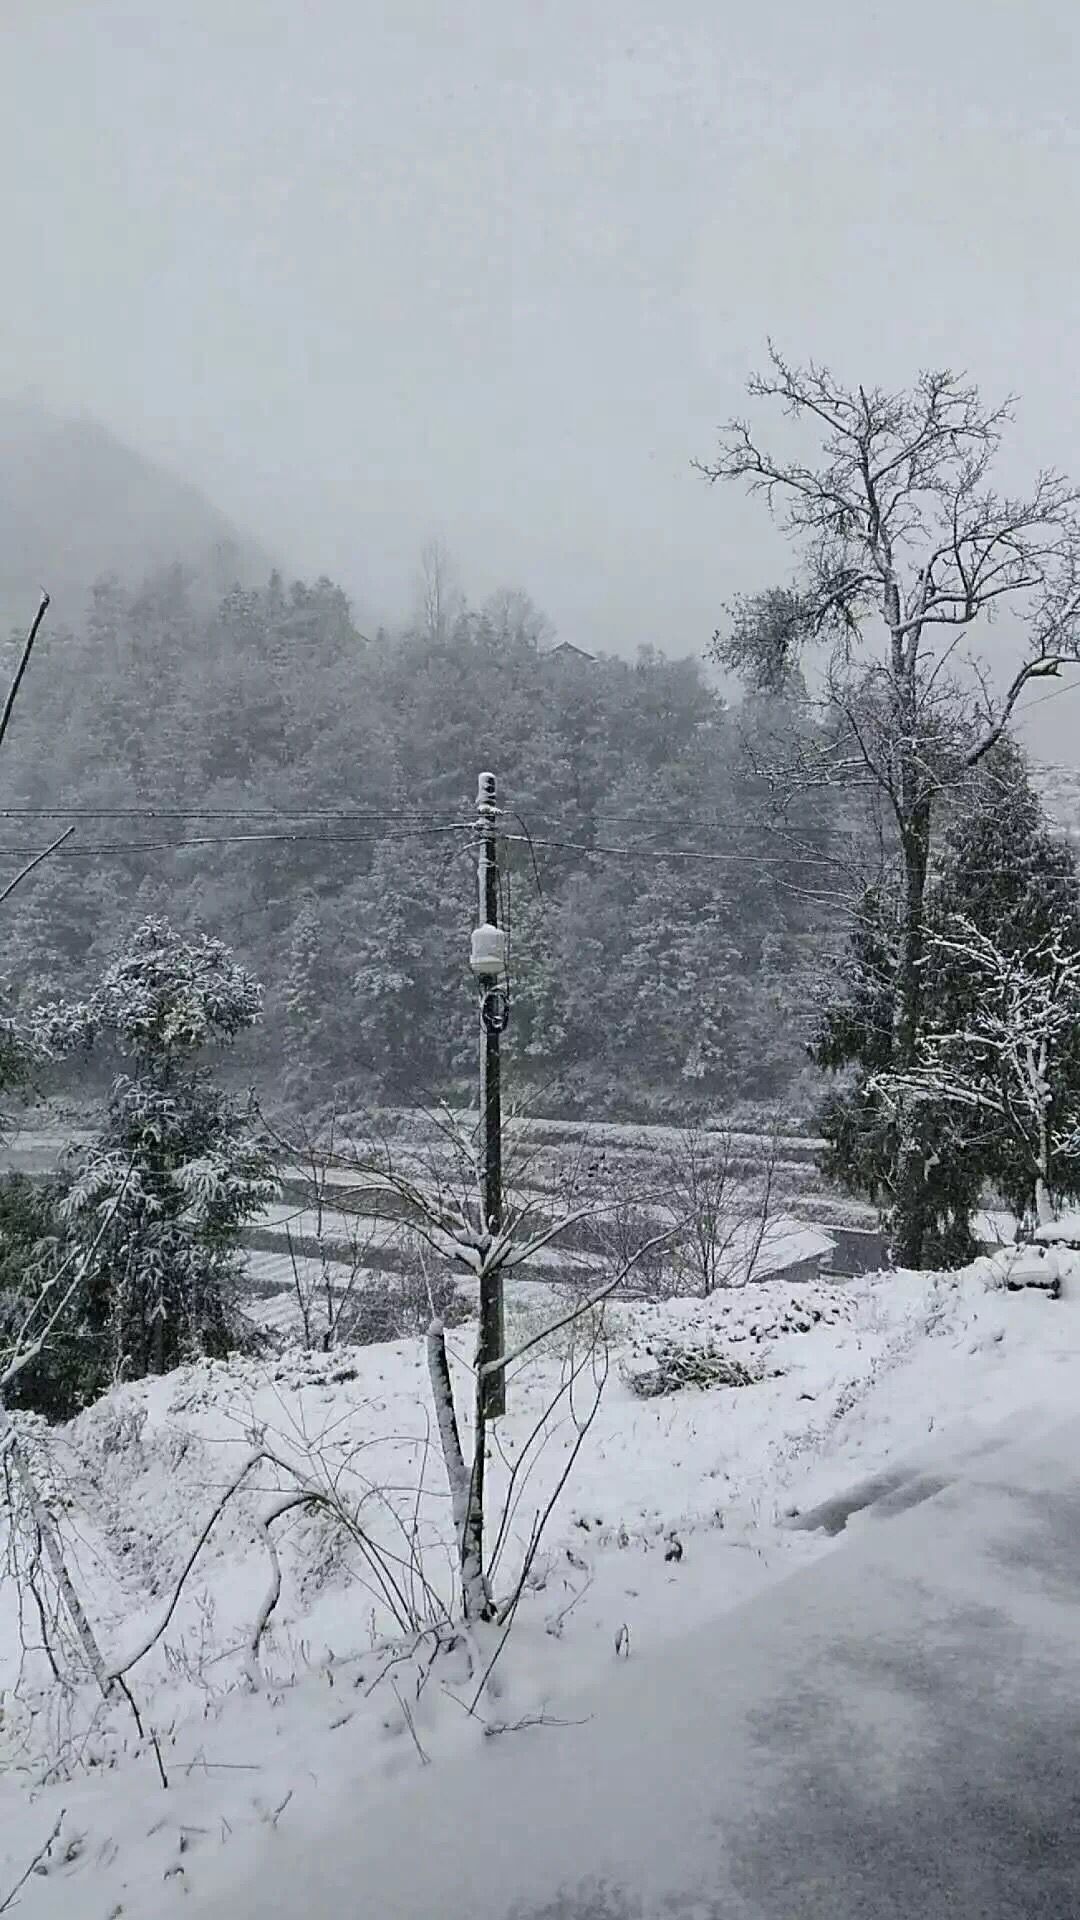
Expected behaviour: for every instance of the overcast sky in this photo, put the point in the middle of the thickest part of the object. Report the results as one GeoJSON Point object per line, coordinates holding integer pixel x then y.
{"type": "Point", "coordinates": [373, 270]}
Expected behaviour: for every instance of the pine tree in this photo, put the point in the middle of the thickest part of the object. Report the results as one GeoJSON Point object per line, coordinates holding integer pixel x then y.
{"type": "Point", "coordinates": [1007, 873]}
{"type": "Point", "coordinates": [1003, 869]}
{"type": "Point", "coordinates": [412, 1018]}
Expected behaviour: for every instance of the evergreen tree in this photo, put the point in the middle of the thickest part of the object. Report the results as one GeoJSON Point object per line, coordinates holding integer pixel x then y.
{"type": "Point", "coordinates": [856, 1038]}
{"type": "Point", "coordinates": [412, 1020]}
{"type": "Point", "coordinates": [288, 753]}
{"type": "Point", "coordinates": [1004, 870]}
{"type": "Point", "coordinates": [1010, 875]}
{"type": "Point", "coordinates": [71, 1368]}
{"type": "Point", "coordinates": [174, 1170]}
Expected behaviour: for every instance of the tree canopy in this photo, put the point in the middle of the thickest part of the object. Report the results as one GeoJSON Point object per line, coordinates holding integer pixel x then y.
{"type": "Point", "coordinates": [268, 773]}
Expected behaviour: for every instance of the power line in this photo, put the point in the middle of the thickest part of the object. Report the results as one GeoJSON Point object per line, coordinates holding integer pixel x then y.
{"type": "Point", "coordinates": [211, 813]}
{"type": "Point", "coordinates": [727, 857]}
{"type": "Point", "coordinates": [128, 847]}
{"type": "Point", "coordinates": [676, 853]}
{"type": "Point", "coordinates": [233, 839]}
{"type": "Point", "coordinates": [1044, 697]}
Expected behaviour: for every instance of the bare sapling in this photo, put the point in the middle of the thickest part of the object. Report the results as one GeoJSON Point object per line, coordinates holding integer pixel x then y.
{"type": "Point", "coordinates": [723, 1191]}
{"type": "Point", "coordinates": [438, 1197]}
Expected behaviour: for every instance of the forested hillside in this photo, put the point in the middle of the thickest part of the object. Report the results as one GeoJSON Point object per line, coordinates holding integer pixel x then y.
{"type": "Point", "coordinates": [314, 789]}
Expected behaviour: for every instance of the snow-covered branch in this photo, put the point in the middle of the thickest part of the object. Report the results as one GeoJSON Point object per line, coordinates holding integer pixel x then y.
{"type": "Point", "coordinates": [1005, 1059]}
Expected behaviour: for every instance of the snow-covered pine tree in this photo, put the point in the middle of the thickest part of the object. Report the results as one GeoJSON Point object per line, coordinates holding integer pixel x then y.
{"type": "Point", "coordinates": [1004, 870]}
{"type": "Point", "coordinates": [175, 1160]}
{"type": "Point", "coordinates": [1001, 1077]}
{"type": "Point", "coordinates": [856, 1038]}
{"type": "Point", "coordinates": [1011, 876]}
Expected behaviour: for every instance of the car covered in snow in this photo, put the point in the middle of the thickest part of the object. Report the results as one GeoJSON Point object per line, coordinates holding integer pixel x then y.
{"type": "Point", "coordinates": [1050, 1256]}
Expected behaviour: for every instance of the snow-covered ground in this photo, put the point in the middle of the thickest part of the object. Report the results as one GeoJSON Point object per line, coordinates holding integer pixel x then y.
{"type": "Point", "coordinates": [676, 1509]}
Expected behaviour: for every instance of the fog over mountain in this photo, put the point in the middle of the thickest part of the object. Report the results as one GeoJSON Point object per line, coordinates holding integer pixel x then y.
{"type": "Point", "coordinates": [76, 505]}
{"type": "Point", "coordinates": [383, 274]}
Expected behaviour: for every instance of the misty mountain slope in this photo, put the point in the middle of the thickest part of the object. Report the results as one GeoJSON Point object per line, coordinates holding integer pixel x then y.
{"type": "Point", "coordinates": [77, 504]}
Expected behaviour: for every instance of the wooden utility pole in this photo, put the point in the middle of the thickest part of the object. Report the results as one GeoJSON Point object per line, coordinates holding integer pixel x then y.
{"type": "Point", "coordinates": [489, 964]}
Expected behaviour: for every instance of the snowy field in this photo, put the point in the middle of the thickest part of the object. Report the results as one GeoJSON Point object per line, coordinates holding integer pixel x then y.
{"type": "Point", "coordinates": [677, 1508]}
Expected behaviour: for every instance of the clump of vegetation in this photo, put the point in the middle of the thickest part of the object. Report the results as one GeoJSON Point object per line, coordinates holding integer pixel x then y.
{"type": "Point", "coordinates": [401, 1306]}
{"type": "Point", "coordinates": [675, 1364]}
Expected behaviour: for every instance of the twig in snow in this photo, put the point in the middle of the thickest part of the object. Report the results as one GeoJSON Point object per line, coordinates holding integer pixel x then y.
{"type": "Point", "coordinates": [10, 1897]}
{"type": "Point", "coordinates": [492, 1727]}
{"type": "Point", "coordinates": [150, 1639]}
{"type": "Point", "coordinates": [285, 1505]}
{"type": "Point", "coordinates": [154, 1741]}
{"type": "Point", "coordinates": [273, 1818]}
{"type": "Point", "coordinates": [425, 1759]}
{"type": "Point", "coordinates": [554, 1626]}
{"type": "Point", "coordinates": [509, 1607]}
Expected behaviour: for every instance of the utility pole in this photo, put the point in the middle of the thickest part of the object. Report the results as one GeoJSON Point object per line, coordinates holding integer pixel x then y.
{"type": "Point", "coordinates": [489, 964]}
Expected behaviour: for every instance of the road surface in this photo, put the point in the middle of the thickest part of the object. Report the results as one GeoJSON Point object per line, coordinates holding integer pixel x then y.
{"type": "Point", "coordinates": [891, 1734]}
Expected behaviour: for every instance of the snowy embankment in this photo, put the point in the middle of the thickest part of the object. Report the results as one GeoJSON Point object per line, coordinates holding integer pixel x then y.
{"type": "Point", "coordinates": [677, 1509]}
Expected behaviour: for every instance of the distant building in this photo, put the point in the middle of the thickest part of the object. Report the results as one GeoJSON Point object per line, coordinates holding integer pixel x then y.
{"type": "Point", "coordinates": [566, 650]}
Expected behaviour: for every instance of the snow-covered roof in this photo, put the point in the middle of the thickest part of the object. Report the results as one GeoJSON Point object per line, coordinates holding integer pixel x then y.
{"type": "Point", "coordinates": [1065, 1230]}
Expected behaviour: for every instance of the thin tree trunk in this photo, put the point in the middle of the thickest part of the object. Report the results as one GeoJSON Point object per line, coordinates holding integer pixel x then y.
{"type": "Point", "coordinates": [1044, 1203]}
{"type": "Point", "coordinates": [911, 1212]}
{"type": "Point", "coordinates": [466, 1489]}
{"type": "Point", "coordinates": [51, 1542]}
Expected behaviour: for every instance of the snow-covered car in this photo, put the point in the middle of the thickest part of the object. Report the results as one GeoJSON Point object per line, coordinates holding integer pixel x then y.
{"type": "Point", "coordinates": [1043, 1261]}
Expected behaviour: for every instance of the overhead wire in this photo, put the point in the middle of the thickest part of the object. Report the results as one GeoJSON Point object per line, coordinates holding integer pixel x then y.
{"type": "Point", "coordinates": [361, 815]}
{"type": "Point", "coordinates": [673, 853]}
{"type": "Point", "coordinates": [134, 847]}
{"type": "Point", "coordinates": [237, 839]}
{"type": "Point", "coordinates": [1044, 697]}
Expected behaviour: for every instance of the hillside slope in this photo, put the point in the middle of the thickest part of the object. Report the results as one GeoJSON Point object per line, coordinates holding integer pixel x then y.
{"type": "Point", "coordinates": [76, 504]}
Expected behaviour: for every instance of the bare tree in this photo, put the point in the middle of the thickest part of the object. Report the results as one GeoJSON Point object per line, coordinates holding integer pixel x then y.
{"type": "Point", "coordinates": [1005, 1062]}
{"type": "Point", "coordinates": [440, 597]}
{"type": "Point", "coordinates": [726, 1214]}
{"type": "Point", "coordinates": [905, 545]}
{"type": "Point", "coordinates": [328, 1287]}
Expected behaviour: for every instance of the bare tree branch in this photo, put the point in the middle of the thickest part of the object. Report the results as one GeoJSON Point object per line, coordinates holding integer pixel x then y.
{"type": "Point", "coordinates": [35, 862]}
{"type": "Point", "coordinates": [24, 662]}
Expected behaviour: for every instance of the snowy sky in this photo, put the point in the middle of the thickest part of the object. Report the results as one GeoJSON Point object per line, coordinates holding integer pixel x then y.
{"type": "Point", "coordinates": [372, 272]}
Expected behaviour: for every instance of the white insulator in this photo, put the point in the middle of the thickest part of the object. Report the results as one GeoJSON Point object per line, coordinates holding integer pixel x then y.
{"type": "Point", "coordinates": [488, 954]}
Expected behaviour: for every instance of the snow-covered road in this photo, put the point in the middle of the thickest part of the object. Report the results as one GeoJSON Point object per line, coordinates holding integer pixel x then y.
{"type": "Point", "coordinates": [889, 1733]}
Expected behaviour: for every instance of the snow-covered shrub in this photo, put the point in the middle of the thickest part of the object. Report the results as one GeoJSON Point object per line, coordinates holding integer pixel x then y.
{"type": "Point", "coordinates": [401, 1306]}
{"type": "Point", "coordinates": [599, 1323]}
{"type": "Point", "coordinates": [63, 1373]}
{"type": "Point", "coordinates": [674, 1364]}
